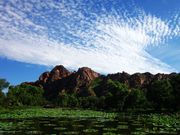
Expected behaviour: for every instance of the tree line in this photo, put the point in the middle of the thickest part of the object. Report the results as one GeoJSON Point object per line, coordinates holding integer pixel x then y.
{"type": "Point", "coordinates": [110, 95]}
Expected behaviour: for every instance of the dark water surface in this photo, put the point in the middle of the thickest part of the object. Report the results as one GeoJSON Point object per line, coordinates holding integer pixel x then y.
{"type": "Point", "coordinates": [125, 125]}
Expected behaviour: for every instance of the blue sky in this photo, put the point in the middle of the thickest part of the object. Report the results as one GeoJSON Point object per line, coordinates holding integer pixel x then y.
{"type": "Point", "coordinates": [106, 35]}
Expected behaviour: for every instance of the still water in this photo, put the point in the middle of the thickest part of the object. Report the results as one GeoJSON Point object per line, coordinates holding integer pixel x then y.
{"type": "Point", "coordinates": [83, 126]}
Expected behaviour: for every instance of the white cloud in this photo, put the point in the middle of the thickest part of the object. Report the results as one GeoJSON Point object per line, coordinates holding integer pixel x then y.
{"type": "Point", "coordinates": [111, 42]}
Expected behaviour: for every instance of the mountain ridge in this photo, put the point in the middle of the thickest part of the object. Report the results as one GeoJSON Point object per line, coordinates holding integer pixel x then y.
{"type": "Point", "coordinates": [59, 79]}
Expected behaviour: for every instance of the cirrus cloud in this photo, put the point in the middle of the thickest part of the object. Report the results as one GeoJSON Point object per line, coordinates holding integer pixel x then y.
{"type": "Point", "coordinates": [77, 34]}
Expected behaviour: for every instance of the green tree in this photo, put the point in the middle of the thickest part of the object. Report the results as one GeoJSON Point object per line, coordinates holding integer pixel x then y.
{"type": "Point", "coordinates": [161, 94]}
{"type": "Point", "coordinates": [110, 103]}
{"type": "Point", "coordinates": [89, 102]}
{"type": "Point", "coordinates": [136, 99]}
{"type": "Point", "coordinates": [2, 97]}
{"type": "Point", "coordinates": [25, 95]}
{"type": "Point", "coordinates": [62, 100]}
{"type": "Point", "coordinates": [175, 81]}
{"type": "Point", "coordinates": [101, 102]}
{"type": "Point", "coordinates": [73, 101]}
{"type": "Point", "coordinates": [117, 94]}
{"type": "Point", "coordinates": [3, 85]}
{"type": "Point", "coordinates": [83, 102]}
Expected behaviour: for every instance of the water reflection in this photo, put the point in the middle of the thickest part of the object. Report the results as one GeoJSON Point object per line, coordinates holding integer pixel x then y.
{"type": "Point", "coordinates": [84, 126]}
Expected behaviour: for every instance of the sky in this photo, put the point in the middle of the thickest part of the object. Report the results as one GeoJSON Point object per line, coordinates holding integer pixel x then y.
{"type": "Point", "coordinates": [108, 36]}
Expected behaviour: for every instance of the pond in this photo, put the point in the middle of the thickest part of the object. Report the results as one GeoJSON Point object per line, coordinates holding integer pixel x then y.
{"type": "Point", "coordinates": [121, 125]}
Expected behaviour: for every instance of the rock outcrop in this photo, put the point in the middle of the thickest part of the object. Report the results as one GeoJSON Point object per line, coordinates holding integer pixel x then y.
{"type": "Point", "coordinates": [78, 82]}
{"type": "Point", "coordinates": [44, 77]}
{"type": "Point", "coordinates": [138, 80]}
{"type": "Point", "coordinates": [59, 80]}
{"type": "Point", "coordinates": [57, 73]}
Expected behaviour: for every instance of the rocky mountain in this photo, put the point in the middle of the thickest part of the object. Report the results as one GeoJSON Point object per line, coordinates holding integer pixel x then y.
{"type": "Point", "coordinates": [139, 80]}
{"type": "Point", "coordinates": [60, 80]}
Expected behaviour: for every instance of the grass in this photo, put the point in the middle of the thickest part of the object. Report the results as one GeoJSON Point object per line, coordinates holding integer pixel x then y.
{"type": "Point", "coordinates": [53, 112]}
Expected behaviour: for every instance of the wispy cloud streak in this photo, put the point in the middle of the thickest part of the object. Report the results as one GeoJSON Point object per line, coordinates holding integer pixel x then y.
{"type": "Point", "coordinates": [76, 33]}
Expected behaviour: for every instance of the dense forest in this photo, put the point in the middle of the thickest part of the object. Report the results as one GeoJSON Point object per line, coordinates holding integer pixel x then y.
{"type": "Point", "coordinates": [106, 93]}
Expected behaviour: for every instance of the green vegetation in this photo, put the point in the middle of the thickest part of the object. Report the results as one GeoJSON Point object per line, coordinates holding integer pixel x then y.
{"type": "Point", "coordinates": [33, 112]}
{"type": "Point", "coordinates": [117, 97]}
{"type": "Point", "coordinates": [136, 99]}
{"type": "Point", "coordinates": [164, 120]}
{"type": "Point", "coordinates": [24, 95]}
{"type": "Point", "coordinates": [161, 94]}
{"type": "Point", "coordinates": [22, 112]}
{"type": "Point", "coordinates": [37, 120]}
{"type": "Point", "coordinates": [108, 95]}
{"type": "Point", "coordinates": [110, 99]}
{"type": "Point", "coordinates": [3, 84]}
{"type": "Point", "coordinates": [117, 94]}
{"type": "Point", "coordinates": [175, 81]}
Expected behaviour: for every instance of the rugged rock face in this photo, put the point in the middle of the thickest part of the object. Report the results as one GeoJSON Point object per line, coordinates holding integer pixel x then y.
{"type": "Point", "coordinates": [86, 75]}
{"type": "Point", "coordinates": [57, 73]}
{"type": "Point", "coordinates": [80, 80]}
{"type": "Point", "coordinates": [44, 77]}
{"type": "Point", "coordinates": [138, 80]}
{"type": "Point", "coordinates": [59, 80]}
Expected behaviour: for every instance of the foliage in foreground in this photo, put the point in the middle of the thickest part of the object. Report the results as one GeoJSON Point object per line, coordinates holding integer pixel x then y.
{"type": "Point", "coordinates": [167, 121]}
{"type": "Point", "coordinates": [163, 120]}
{"type": "Point", "coordinates": [83, 123]}
{"type": "Point", "coordinates": [33, 112]}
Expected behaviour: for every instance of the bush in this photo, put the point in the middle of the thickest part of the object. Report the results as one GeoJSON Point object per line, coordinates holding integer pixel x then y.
{"type": "Point", "coordinates": [2, 97]}
{"type": "Point", "coordinates": [25, 95]}
{"type": "Point", "coordinates": [3, 84]}
{"type": "Point", "coordinates": [161, 94]}
{"type": "Point", "coordinates": [117, 94]}
{"type": "Point", "coordinates": [175, 81]}
{"type": "Point", "coordinates": [136, 99]}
